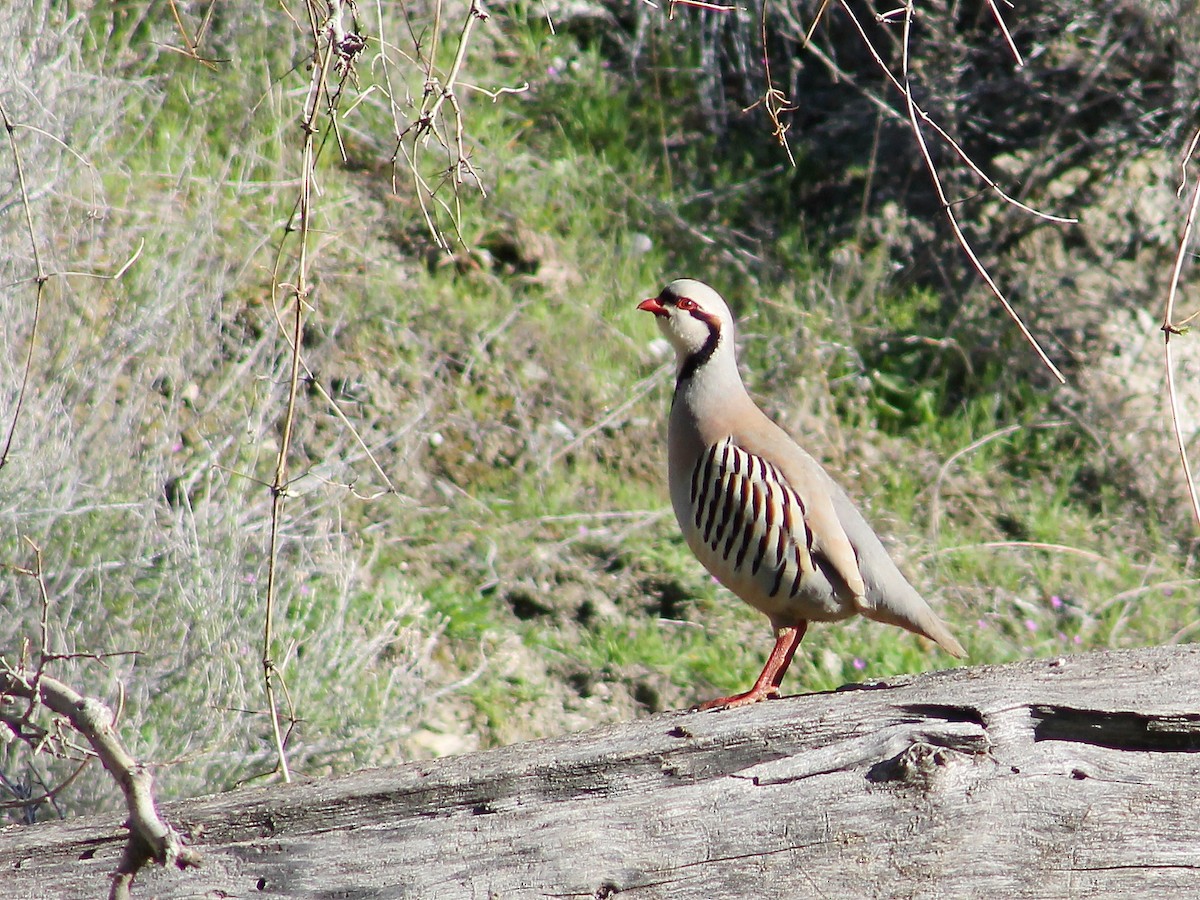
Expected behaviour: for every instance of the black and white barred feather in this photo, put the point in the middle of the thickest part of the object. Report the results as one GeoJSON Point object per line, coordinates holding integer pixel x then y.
{"type": "Point", "coordinates": [748, 515]}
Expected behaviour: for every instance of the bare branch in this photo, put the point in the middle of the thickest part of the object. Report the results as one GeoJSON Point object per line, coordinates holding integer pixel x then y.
{"type": "Point", "coordinates": [916, 117]}
{"type": "Point", "coordinates": [935, 512]}
{"type": "Point", "coordinates": [1019, 545]}
{"type": "Point", "coordinates": [1008, 39]}
{"type": "Point", "coordinates": [150, 837]}
{"type": "Point", "coordinates": [428, 124]}
{"type": "Point", "coordinates": [698, 4]}
{"type": "Point", "coordinates": [42, 277]}
{"type": "Point", "coordinates": [773, 100]}
{"type": "Point", "coordinates": [887, 110]}
{"type": "Point", "coordinates": [324, 43]}
{"type": "Point", "coordinates": [1170, 328]}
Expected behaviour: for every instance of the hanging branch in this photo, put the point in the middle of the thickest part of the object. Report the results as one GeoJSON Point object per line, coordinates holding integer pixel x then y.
{"type": "Point", "coordinates": [1170, 328]}
{"type": "Point", "coordinates": [42, 276]}
{"type": "Point", "coordinates": [40, 280]}
{"type": "Point", "coordinates": [775, 105]}
{"type": "Point", "coordinates": [333, 46]}
{"type": "Point", "coordinates": [774, 101]}
{"type": "Point", "coordinates": [916, 117]}
{"type": "Point", "coordinates": [1008, 38]}
{"type": "Point", "coordinates": [927, 121]}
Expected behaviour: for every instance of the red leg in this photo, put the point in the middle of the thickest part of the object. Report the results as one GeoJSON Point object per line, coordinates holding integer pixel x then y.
{"type": "Point", "coordinates": [787, 639]}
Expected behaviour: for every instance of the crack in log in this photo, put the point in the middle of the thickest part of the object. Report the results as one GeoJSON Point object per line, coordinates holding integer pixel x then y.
{"type": "Point", "coordinates": [946, 712]}
{"type": "Point", "coordinates": [741, 857]}
{"type": "Point", "coordinates": [759, 781]}
{"type": "Point", "coordinates": [1118, 730]}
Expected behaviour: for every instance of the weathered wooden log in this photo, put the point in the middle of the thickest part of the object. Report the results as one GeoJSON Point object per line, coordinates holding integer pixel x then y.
{"type": "Point", "coordinates": [1076, 777]}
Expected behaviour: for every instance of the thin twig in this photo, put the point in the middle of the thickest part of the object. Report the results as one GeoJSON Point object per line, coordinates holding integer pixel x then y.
{"type": "Point", "coordinates": [100, 276]}
{"type": "Point", "coordinates": [698, 4]}
{"type": "Point", "coordinates": [499, 92]}
{"type": "Point", "coordinates": [635, 397]}
{"type": "Point", "coordinates": [1018, 545]}
{"type": "Point", "coordinates": [1138, 591]}
{"type": "Point", "coordinates": [318, 85]}
{"type": "Point", "coordinates": [928, 120]}
{"type": "Point", "coordinates": [815, 22]}
{"type": "Point", "coordinates": [1012, 45]}
{"type": "Point", "coordinates": [42, 277]}
{"type": "Point", "coordinates": [193, 46]}
{"type": "Point", "coordinates": [948, 207]}
{"type": "Point", "coordinates": [1187, 158]}
{"type": "Point", "coordinates": [429, 124]}
{"type": "Point", "coordinates": [1170, 328]}
{"type": "Point", "coordinates": [773, 100]}
{"type": "Point", "coordinates": [334, 49]}
{"type": "Point", "coordinates": [935, 502]}
{"type": "Point", "coordinates": [475, 14]}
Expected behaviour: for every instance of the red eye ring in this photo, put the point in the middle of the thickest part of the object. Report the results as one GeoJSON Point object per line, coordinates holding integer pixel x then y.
{"type": "Point", "coordinates": [686, 304]}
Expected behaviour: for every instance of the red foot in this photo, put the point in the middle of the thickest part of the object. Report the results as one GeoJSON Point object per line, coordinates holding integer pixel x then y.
{"type": "Point", "coordinates": [787, 639]}
{"type": "Point", "coordinates": [743, 699]}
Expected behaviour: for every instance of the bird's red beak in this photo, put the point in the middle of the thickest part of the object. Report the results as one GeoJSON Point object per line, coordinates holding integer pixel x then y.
{"type": "Point", "coordinates": [653, 305]}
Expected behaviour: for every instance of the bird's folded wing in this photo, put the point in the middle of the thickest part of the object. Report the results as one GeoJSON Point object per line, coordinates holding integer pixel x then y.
{"type": "Point", "coordinates": [815, 490]}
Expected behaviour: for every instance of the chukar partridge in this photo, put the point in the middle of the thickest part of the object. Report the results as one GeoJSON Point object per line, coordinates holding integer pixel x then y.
{"type": "Point", "coordinates": [761, 514]}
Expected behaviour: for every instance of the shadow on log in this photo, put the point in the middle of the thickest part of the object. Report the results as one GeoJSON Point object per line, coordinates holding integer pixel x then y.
{"type": "Point", "coordinates": [1076, 777]}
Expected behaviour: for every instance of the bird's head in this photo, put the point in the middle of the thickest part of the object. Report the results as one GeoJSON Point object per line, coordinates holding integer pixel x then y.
{"type": "Point", "coordinates": [693, 317]}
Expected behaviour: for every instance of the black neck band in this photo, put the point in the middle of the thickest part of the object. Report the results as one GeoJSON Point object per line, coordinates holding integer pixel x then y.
{"type": "Point", "coordinates": [701, 356]}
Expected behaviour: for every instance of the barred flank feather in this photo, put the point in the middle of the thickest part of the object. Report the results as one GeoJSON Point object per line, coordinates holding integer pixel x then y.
{"type": "Point", "coordinates": [746, 511]}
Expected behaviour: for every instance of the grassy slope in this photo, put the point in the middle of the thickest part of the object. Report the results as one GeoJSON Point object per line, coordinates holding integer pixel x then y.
{"type": "Point", "coordinates": [527, 577]}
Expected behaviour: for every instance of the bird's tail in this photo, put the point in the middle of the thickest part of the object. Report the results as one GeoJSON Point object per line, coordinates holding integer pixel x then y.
{"type": "Point", "coordinates": [910, 611]}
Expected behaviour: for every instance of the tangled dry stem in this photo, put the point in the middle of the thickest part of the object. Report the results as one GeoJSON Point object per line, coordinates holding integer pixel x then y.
{"type": "Point", "coordinates": [331, 42]}
{"type": "Point", "coordinates": [336, 46]}
{"type": "Point", "coordinates": [428, 123]}
{"type": "Point", "coordinates": [41, 278]}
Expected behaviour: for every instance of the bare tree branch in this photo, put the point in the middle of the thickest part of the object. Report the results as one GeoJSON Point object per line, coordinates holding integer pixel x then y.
{"type": "Point", "coordinates": [1170, 328]}
{"type": "Point", "coordinates": [42, 277]}
{"type": "Point", "coordinates": [150, 837]}
{"type": "Point", "coordinates": [916, 118]}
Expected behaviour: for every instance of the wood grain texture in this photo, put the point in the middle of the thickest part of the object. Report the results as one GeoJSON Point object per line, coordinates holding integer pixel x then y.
{"type": "Point", "coordinates": [1069, 778]}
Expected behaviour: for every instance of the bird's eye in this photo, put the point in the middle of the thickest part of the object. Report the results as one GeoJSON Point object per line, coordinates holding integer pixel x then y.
{"type": "Point", "coordinates": [686, 304]}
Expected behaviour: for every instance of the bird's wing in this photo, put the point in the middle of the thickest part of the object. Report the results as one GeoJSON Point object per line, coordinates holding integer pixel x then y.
{"type": "Point", "coordinates": [850, 547]}
{"type": "Point", "coordinates": [814, 491]}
